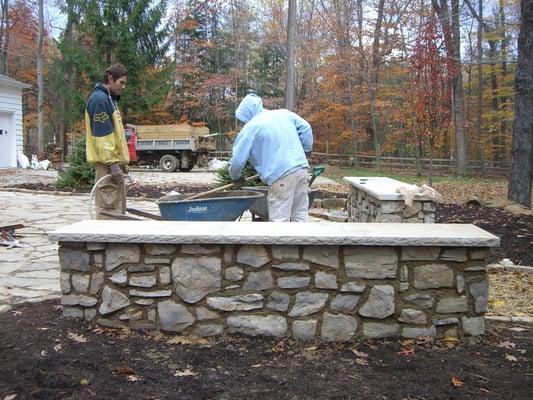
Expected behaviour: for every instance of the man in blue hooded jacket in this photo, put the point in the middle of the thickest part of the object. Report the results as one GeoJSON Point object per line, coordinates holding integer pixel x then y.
{"type": "Point", "coordinates": [276, 142]}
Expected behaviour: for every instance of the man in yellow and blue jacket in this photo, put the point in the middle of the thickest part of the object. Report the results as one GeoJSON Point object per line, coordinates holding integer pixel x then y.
{"type": "Point", "coordinates": [106, 146]}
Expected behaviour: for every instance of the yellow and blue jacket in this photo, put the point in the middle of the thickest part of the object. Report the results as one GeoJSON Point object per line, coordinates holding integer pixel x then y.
{"type": "Point", "coordinates": [106, 142]}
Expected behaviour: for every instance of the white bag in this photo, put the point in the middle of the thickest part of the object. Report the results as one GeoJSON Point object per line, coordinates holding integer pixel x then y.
{"type": "Point", "coordinates": [22, 160]}
{"type": "Point", "coordinates": [215, 164]}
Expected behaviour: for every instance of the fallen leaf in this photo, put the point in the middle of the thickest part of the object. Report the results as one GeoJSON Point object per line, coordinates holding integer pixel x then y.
{"type": "Point", "coordinates": [16, 313]}
{"type": "Point", "coordinates": [126, 371]}
{"type": "Point", "coordinates": [457, 382]}
{"type": "Point", "coordinates": [407, 342]}
{"type": "Point", "coordinates": [10, 397]}
{"type": "Point", "coordinates": [406, 352]}
{"type": "Point", "coordinates": [359, 353]}
{"type": "Point", "coordinates": [58, 347]}
{"type": "Point", "coordinates": [257, 365]}
{"type": "Point", "coordinates": [134, 378]}
{"type": "Point", "coordinates": [98, 330]}
{"type": "Point", "coordinates": [77, 337]}
{"type": "Point", "coordinates": [361, 361]}
{"type": "Point", "coordinates": [511, 358]}
{"type": "Point", "coordinates": [496, 303]}
{"type": "Point", "coordinates": [182, 340]}
{"type": "Point", "coordinates": [43, 329]}
{"type": "Point", "coordinates": [311, 348]}
{"type": "Point", "coordinates": [484, 390]}
{"type": "Point", "coordinates": [44, 353]}
{"type": "Point", "coordinates": [506, 345]}
{"type": "Point", "coordinates": [423, 340]}
{"type": "Point", "coordinates": [185, 372]}
{"type": "Point", "coordinates": [84, 382]}
{"type": "Point", "coordinates": [279, 347]}
{"type": "Point", "coordinates": [372, 346]}
{"type": "Point", "coordinates": [518, 329]}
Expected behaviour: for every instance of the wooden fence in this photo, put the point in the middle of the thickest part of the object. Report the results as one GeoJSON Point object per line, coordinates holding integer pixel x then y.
{"type": "Point", "coordinates": [440, 166]}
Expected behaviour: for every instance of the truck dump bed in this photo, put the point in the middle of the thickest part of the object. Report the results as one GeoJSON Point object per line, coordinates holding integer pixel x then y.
{"type": "Point", "coordinates": [176, 131]}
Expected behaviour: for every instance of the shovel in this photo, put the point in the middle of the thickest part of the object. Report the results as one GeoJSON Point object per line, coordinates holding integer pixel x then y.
{"type": "Point", "coordinates": [219, 189]}
{"type": "Point", "coordinates": [316, 172]}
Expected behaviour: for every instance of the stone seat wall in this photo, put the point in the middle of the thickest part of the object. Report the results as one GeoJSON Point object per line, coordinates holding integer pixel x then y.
{"type": "Point", "coordinates": [317, 284]}
{"type": "Point", "coordinates": [376, 200]}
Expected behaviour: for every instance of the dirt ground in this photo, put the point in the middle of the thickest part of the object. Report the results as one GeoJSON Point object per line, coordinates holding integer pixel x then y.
{"type": "Point", "coordinates": [44, 356]}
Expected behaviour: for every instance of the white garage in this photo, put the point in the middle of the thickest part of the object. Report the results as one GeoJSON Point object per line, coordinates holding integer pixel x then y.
{"type": "Point", "coordinates": [11, 136]}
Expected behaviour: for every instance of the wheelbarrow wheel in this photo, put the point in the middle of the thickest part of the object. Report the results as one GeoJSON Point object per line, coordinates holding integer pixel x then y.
{"type": "Point", "coordinates": [168, 163]}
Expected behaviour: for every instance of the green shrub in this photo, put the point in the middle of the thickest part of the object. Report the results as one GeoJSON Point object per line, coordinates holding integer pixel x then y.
{"type": "Point", "coordinates": [80, 174]}
{"type": "Point", "coordinates": [222, 175]}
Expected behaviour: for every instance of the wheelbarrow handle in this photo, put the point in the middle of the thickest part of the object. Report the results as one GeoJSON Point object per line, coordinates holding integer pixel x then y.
{"type": "Point", "coordinates": [316, 172]}
{"type": "Point", "coordinates": [220, 188]}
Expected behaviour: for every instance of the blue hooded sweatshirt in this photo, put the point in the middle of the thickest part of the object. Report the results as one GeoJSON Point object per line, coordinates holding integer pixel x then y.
{"type": "Point", "coordinates": [275, 141]}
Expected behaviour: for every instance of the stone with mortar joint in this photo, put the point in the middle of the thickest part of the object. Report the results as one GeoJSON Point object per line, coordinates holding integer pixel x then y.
{"type": "Point", "coordinates": [344, 302]}
{"type": "Point", "coordinates": [78, 300]}
{"type": "Point", "coordinates": [141, 268]}
{"type": "Point", "coordinates": [370, 262]}
{"type": "Point", "coordinates": [428, 206]}
{"type": "Point", "coordinates": [142, 326]}
{"type": "Point", "coordinates": [404, 273]}
{"type": "Point", "coordinates": [253, 255]}
{"type": "Point", "coordinates": [389, 218]}
{"type": "Point", "coordinates": [292, 266]}
{"type": "Point", "coordinates": [120, 277]}
{"type": "Point", "coordinates": [260, 280]}
{"type": "Point", "coordinates": [473, 326]}
{"type": "Point", "coordinates": [325, 281]}
{"type": "Point", "coordinates": [410, 332]}
{"type": "Point", "coordinates": [64, 282]}
{"type": "Point", "coordinates": [89, 314]}
{"type": "Point", "coordinates": [414, 209]}
{"type": "Point", "coordinates": [72, 312]}
{"type": "Point", "coordinates": [97, 281]}
{"type": "Point", "coordinates": [354, 287]}
{"type": "Point", "coordinates": [118, 254]}
{"type": "Point", "coordinates": [429, 219]}
{"type": "Point", "coordinates": [203, 314]}
{"type": "Point", "coordinates": [404, 286]}
{"type": "Point", "coordinates": [460, 283]}
{"type": "Point", "coordinates": [432, 276]}
{"type": "Point", "coordinates": [144, 302]}
{"type": "Point", "coordinates": [480, 291]}
{"type": "Point", "coordinates": [476, 268]}
{"type": "Point", "coordinates": [80, 282]}
{"type": "Point", "coordinates": [131, 314]}
{"type": "Point", "coordinates": [231, 287]}
{"type": "Point", "coordinates": [173, 317]}
{"type": "Point", "coordinates": [334, 203]}
{"type": "Point", "coordinates": [390, 207]}
{"type": "Point", "coordinates": [194, 278]}
{"type": "Point", "coordinates": [304, 330]}
{"type": "Point", "coordinates": [110, 323]}
{"type": "Point", "coordinates": [155, 249]}
{"type": "Point", "coordinates": [112, 300]}
{"type": "Point", "coordinates": [338, 328]}
{"type": "Point", "coordinates": [150, 293]}
{"type": "Point", "coordinates": [376, 330]}
{"type": "Point", "coordinates": [70, 259]}
{"type": "Point", "coordinates": [421, 300]}
{"type": "Point", "coordinates": [452, 305]}
{"type": "Point", "coordinates": [380, 303]}
{"type": "Point", "coordinates": [243, 302]}
{"type": "Point", "coordinates": [234, 274]}
{"type": "Point", "coordinates": [285, 252]}
{"type": "Point", "coordinates": [445, 321]}
{"type": "Point", "coordinates": [98, 260]}
{"type": "Point", "coordinates": [278, 301]}
{"type": "Point", "coordinates": [457, 254]}
{"type": "Point", "coordinates": [478, 253]}
{"type": "Point", "coordinates": [207, 330]}
{"type": "Point", "coordinates": [228, 253]}
{"type": "Point", "coordinates": [419, 253]}
{"type": "Point", "coordinates": [151, 314]}
{"type": "Point", "coordinates": [145, 281]}
{"type": "Point", "coordinates": [412, 316]}
{"type": "Point", "coordinates": [200, 249]}
{"type": "Point", "coordinates": [254, 325]}
{"type": "Point", "coordinates": [307, 303]}
{"type": "Point", "coordinates": [156, 260]}
{"type": "Point", "coordinates": [293, 282]}
{"type": "Point", "coordinates": [164, 275]}
{"type": "Point", "coordinates": [94, 246]}
{"type": "Point", "coordinates": [322, 255]}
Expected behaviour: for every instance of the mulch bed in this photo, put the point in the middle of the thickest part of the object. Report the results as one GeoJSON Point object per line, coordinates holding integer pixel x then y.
{"type": "Point", "coordinates": [45, 356]}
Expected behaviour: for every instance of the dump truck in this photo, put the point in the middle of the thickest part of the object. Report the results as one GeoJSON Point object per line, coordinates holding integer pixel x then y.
{"type": "Point", "coordinates": [171, 147]}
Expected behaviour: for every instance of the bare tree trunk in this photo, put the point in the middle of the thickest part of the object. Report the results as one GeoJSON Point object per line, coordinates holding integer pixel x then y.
{"type": "Point", "coordinates": [373, 82]}
{"type": "Point", "coordinates": [290, 61]}
{"type": "Point", "coordinates": [495, 135]}
{"type": "Point", "coordinates": [4, 38]}
{"type": "Point", "coordinates": [479, 122]}
{"type": "Point", "coordinates": [452, 39]}
{"type": "Point", "coordinates": [504, 99]}
{"type": "Point", "coordinates": [40, 85]}
{"type": "Point", "coordinates": [520, 180]}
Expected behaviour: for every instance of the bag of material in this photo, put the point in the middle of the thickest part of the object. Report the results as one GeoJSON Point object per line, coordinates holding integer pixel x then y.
{"type": "Point", "coordinates": [22, 160]}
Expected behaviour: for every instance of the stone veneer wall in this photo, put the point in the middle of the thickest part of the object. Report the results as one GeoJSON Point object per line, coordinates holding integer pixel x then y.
{"type": "Point", "coordinates": [363, 207]}
{"type": "Point", "coordinates": [331, 293]}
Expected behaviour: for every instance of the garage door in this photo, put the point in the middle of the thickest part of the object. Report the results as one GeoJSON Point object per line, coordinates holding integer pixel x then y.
{"type": "Point", "coordinates": [7, 142]}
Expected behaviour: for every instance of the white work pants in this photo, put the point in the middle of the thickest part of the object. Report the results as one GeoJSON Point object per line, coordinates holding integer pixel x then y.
{"type": "Point", "coordinates": [288, 198]}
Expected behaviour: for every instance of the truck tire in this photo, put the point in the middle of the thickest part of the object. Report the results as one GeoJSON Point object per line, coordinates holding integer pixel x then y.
{"type": "Point", "coordinates": [168, 163]}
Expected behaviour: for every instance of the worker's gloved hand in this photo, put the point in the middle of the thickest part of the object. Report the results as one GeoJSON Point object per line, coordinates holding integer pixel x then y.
{"type": "Point", "coordinates": [238, 183]}
{"type": "Point", "coordinates": [117, 176]}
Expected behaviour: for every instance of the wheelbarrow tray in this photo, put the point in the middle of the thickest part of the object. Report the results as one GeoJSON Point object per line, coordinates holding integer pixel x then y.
{"type": "Point", "coordinates": [259, 207]}
{"type": "Point", "coordinates": [222, 206]}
